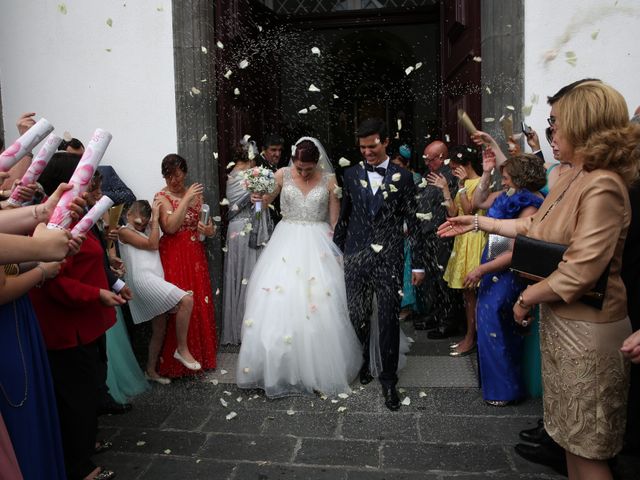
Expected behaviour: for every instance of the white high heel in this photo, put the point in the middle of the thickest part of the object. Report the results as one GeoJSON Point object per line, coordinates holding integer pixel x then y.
{"type": "Point", "coordinates": [195, 365]}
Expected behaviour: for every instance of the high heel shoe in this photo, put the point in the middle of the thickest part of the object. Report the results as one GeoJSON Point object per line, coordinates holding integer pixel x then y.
{"type": "Point", "coordinates": [456, 353]}
{"type": "Point", "coordinates": [158, 379]}
{"type": "Point", "coordinates": [195, 365]}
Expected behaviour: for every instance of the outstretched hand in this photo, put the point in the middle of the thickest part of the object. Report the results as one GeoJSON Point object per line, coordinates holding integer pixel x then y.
{"type": "Point", "coordinates": [456, 226]}
{"type": "Point", "coordinates": [488, 160]}
{"type": "Point", "coordinates": [631, 347]}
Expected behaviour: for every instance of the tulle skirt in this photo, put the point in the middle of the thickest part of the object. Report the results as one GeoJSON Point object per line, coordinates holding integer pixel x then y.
{"type": "Point", "coordinates": [296, 333]}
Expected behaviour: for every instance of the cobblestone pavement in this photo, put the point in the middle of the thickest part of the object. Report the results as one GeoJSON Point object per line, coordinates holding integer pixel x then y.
{"type": "Point", "coordinates": [182, 431]}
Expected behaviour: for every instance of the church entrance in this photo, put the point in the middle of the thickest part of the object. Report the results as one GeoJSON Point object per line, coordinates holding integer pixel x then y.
{"type": "Point", "coordinates": [319, 67]}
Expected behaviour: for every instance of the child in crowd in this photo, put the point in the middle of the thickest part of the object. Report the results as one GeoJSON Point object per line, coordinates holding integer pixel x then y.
{"type": "Point", "coordinates": [154, 297]}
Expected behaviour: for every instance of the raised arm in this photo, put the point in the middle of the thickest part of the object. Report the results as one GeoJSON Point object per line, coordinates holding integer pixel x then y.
{"type": "Point", "coordinates": [334, 201]}
{"type": "Point", "coordinates": [171, 220]}
{"type": "Point", "coordinates": [482, 138]}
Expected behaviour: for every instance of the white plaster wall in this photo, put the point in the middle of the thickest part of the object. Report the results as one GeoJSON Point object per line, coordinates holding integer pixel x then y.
{"type": "Point", "coordinates": [567, 26]}
{"type": "Point", "coordinates": [59, 66]}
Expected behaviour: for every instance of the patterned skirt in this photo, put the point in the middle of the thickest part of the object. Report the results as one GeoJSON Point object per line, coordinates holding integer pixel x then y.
{"type": "Point", "coordinates": [586, 382]}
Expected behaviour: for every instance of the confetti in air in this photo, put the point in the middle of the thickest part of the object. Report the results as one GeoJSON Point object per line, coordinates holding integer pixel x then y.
{"type": "Point", "coordinates": [312, 108]}
{"type": "Point", "coordinates": [313, 88]}
{"type": "Point", "coordinates": [231, 415]}
{"type": "Point", "coordinates": [195, 91]}
{"type": "Point", "coordinates": [204, 138]}
{"type": "Point", "coordinates": [477, 59]}
{"type": "Point", "coordinates": [243, 64]}
{"type": "Point", "coordinates": [489, 120]}
{"type": "Point", "coordinates": [315, 51]}
{"type": "Point", "coordinates": [204, 50]}
{"type": "Point", "coordinates": [408, 70]}
{"type": "Point", "coordinates": [395, 177]}
{"type": "Point", "coordinates": [343, 162]}
{"type": "Point", "coordinates": [236, 91]}
{"type": "Point", "coordinates": [511, 107]}
{"type": "Point", "coordinates": [62, 8]}
{"type": "Point", "coordinates": [376, 248]}
{"type": "Point", "coordinates": [109, 22]}
{"type": "Point", "coordinates": [219, 44]}
{"type": "Point", "coordinates": [418, 65]}
{"type": "Point", "coordinates": [227, 75]}
{"type": "Point", "coordinates": [335, 96]}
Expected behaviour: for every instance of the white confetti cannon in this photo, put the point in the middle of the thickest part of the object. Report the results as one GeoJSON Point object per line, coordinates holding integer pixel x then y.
{"type": "Point", "coordinates": [81, 178]}
{"type": "Point", "coordinates": [92, 216]}
{"type": "Point", "coordinates": [24, 144]}
{"type": "Point", "coordinates": [38, 164]}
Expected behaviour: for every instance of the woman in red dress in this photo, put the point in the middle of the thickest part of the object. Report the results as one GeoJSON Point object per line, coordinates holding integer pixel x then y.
{"type": "Point", "coordinates": [185, 265]}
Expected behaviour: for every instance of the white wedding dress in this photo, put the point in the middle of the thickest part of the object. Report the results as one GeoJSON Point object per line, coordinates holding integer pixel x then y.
{"type": "Point", "coordinates": [296, 333]}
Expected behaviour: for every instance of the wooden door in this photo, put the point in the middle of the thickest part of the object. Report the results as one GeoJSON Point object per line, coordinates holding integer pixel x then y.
{"type": "Point", "coordinates": [460, 44]}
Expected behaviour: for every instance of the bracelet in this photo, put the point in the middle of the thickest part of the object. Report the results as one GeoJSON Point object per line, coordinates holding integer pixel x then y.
{"type": "Point", "coordinates": [521, 302]}
{"type": "Point", "coordinates": [476, 223]}
{"type": "Point", "coordinates": [44, 276]}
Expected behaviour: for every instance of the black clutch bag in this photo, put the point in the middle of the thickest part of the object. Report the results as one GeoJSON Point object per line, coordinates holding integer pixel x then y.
{"type": "Point", "coordinates": [534, 260]}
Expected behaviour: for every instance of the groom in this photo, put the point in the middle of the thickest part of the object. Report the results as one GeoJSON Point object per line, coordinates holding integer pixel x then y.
{"type": "Point", "coordinates": [377, 198]}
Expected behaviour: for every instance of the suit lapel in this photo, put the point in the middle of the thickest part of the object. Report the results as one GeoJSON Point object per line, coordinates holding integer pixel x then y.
{"type": "Point", "coordinates": [378, 199]}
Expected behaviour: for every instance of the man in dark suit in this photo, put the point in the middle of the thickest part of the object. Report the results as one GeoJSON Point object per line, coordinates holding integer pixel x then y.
{"type": "Point", "coordinates": [271, 158]}
{"type": "Point", "coordinates": [442, 304]}
{"type": "Point", "coordinates": [378, 197]}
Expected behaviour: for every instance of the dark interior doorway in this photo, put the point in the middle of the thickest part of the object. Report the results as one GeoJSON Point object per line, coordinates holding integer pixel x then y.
{"type": "Point", "coordinates": [412, 66]}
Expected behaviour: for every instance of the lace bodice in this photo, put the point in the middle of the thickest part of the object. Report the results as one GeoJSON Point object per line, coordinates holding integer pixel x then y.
{"type": "Point", "coordinates": [296, 207]}
{"type": "Point", "coordinates": [193, 213]}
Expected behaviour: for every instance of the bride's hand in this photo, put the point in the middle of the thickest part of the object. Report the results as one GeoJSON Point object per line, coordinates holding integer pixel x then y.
{"type": "Point", "coordinates": [456, 226]}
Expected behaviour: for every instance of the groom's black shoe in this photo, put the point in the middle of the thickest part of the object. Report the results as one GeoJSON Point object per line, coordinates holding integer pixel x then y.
{"type": "Point", "coordinates": [365, 375]}
{"type": "Point", "coordinates": [391, 398]}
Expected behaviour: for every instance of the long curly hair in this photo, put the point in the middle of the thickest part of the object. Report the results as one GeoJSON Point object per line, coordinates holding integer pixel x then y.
{"type": "Point", "coordinates": [593, 117]}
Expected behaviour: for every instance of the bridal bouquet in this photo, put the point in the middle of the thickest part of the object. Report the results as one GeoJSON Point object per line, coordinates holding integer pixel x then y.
{"type": "Point", "coordinates": [259, 180]}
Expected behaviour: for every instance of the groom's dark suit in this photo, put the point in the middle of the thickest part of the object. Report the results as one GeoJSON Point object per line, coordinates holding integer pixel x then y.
{"type": "Point", "coordinates": [365, 220]}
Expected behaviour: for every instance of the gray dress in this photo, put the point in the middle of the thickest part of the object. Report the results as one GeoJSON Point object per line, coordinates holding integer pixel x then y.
{"type": "Point", "coordinates": [239, 258]}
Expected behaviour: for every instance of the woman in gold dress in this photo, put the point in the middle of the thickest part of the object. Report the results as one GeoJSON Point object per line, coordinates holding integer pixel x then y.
{"type": "Point", "coordinates": [585, 376]}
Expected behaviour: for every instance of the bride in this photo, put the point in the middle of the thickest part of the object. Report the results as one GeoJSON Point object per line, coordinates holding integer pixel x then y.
{"type": "Point", "coordinates": [296, 333]}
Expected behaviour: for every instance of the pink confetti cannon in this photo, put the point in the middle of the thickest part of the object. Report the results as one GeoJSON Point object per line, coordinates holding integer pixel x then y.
{"type": "Point", "coordinates": [24, 144]}
{"type": "Point", "coordinates": [92, 216]}
{"type": "Point", "coordinates": [38, 164]}
{"type": "Point", "coordinates": [81, 178]}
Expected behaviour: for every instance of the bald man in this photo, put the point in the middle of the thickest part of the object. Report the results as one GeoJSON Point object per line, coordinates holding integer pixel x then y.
{"type": "Point", "coordinates": [442, 304]}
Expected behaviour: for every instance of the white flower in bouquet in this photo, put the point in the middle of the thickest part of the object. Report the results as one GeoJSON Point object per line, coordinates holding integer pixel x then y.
{"type": "Point", "coordinates": [259, 180]}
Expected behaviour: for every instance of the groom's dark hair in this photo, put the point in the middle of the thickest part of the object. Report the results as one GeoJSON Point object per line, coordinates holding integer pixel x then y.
{"type": "Point", "coordinates": [371, 126]}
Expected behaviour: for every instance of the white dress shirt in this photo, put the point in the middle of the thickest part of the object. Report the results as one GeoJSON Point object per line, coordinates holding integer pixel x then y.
{"type": "Point", "coordinates": [375, 179]}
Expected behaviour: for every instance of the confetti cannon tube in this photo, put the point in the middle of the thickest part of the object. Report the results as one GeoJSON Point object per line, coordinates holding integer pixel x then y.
{"type": "Point", "coordinates": [92, 216]}
{"type": "Point", "coordinates": [24, 144]}
{"type": "Point", "coordinates": [38, 164]}
{"type": "Point", "coordinates": [81, 178]}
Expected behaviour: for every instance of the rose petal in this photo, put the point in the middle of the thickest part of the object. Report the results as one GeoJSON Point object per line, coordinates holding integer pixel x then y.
{"type": "Point", "coordinates": [343, 395]}
{"type": "Point", "coordinates": [422, 394]}
{"type": "Point", "coordinates": [227, 75]}
{"type": "Point", "coordinates": [224, 402]}
{"type": "Point", "coordinates": [204, 138]}
{"type": "Point", "coordinates": [313, 88]}
{"type": "Point", "coordinates": [224, 201]}
{"type": "Point", "coordinates": [363, 183]}
{"type": "Point", "coordinates": [315, 51]}
{"type": "Point", "coordinates": [395, 177]}
{"type": "Point", "coordinates": [231, 415]}
{"type": "Point", "coordinates": [342, 409]}
{"type": "Point", "coordinates": [303, 111]}
{"type": "Point", "coordinates": [243, 64]}
{"type": "Point", "coordinates": [489, 120]}
{"type": "Point", "coordinates": [140, 443]}
{"type": "Point", "coordinates": [236, 91]}
{"type": "Point", "coordinates": [418, 65]}
{"type": "Point", "coordinates": [424, 216]}
{"type": "Point", "coordinates": [291, 412]}
{"type": "Point", "coordinates": [204, 50]}
{"type": "Point", "coordinates": [244, 281]}
{"type": "Point", "coordinates": [406, 401]}
{"type": "Point", "coordinates": [376, 248]}
{"type": "Point", "coordinates": [312, 108]}
{"type": "Point", "coordinates": [219, 44]}
{"type": "Point", "coordinates": [477, 59]}
{"type": "Point", "coordinates": [167, 451]}
{"type": "Point", "coordinates": [335, 96]}
{"type": "Point", "coordinates": [343, 162]}
{"type": "Point", "coordinates": [408, 70]}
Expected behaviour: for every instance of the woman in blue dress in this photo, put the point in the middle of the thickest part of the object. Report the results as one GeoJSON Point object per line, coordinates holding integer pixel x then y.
{"type": "Point", "coordinates": [500, 342]}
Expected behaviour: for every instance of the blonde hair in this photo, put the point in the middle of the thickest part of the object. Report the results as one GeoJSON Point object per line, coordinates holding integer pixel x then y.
{"type": "Point", "coordinates": [593, 117]}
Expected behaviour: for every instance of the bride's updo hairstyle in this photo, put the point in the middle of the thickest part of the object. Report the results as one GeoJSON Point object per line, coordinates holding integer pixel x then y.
{"type": "Point", "coordinates": [307, 152]}
{"type": "Point", "coordinates": [594, 119]}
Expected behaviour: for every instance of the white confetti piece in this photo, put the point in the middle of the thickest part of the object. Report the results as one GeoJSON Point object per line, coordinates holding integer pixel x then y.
{"type": "Point", "coordinates": [312, 108]}
{"type": "Point", "coordinates": [303, 111]}
{"type": "Point", "coordinates": [341, 409]}
{"type": "Point", "coordinates": [418, 65]}
{"type": "Point", "coordinates": [408, 70]}
{"type": "Point", "coordinates": [447, 161]}
{"type": "Point", "coordinates": [315, 51]}
{"type": "Point", "coordinates": [160, 9]}
{"type": "Point", "coordinates": [167, 451]}
{"type": "Point", "coordinates": [227, 75]}
{"type": "Point", "coordinates": [140, 443]}
{"type": "Point", "coordinates": [313, 88]}
{"type": "Point", "coordinates": [343, 162]}
{"type": "Point", "coordinates": [594, 35]}
{"type": "Point", "coordinates": [511, 107]}
{"type": "Point", "coordinates": [291, 412]}
{"type": "Point", "coordinates": [401, 390]}
{"type": "Point", "coordinates": [243, 64]}
{"type": "Point", "coordinates": [395, 177]}
{"type": "Point", "coordinates": [337, 191]}
{"type": "Point", "coordinates": [493, 335]}
{"type": "Point", "coordinates": [447, 138]}
{"type": "Point", "coordinates": [335, 96]}
{"type": "Point", "coordinates": [231, 415]}
{"type": "Point", "coordinates": [477, 59]}
{"type": "Point", "coordinates": [215, 155]}
{"type": "Point", "coordinates": [495, 279]}
{"type": "Point", "coordinates": [288, 339]}
{"type": "Point", "coordinates": [248, 322]}
{"type": "Point", "coordinates": [204, 50]}
{"type": "Point", "coordinates": [227, 393]}
{"type": "Point", "coordinates": [109, 22]}
{"type": "Point", "coordinates": [410, 340]}
{"type": "Point", "coordinates": [535, 98]}
{"type": "Point", "coordinates": [224, 201]}
{"type": "Point", "coordinates": [489, 120]}
{"type": "Point", "coordinates": [244, 281]}
{"type": "Point", "coordinates": [424, 216]}
{"type": "Point", "coordinates": [406, 401]}
{"type": "Point", "coordinates": [333, 400]}
{"type": "Point", "coordinates": [236, 91]}
{"type": "Point", "coordinates": [62, 8]}
{"type": "Point", "coordinates": [550, 55]}
{"type": "Point", "coordinates": [239, 399]}
{"type": "Point", "coordinates": [385, 195]}
{"type": "Point", "coordinates": [488, 90]}
{"type": "Point", "coordinates": [223, 372]}
{"type": "Point", "coordinates": [392, 188]}
{"type": "Point", "coordinates": [423, 183]}
{"type": "Point", "coordinates": [216, 218]}
{"type": "Point", "coordinates": [343, 395]}
{"type": "Point", "coordinates": [363, 183]}
{"type": "Point", "coordinates": [219, 44]}
{"type": "Point", "coordinates": [399, 124]}
{"type": "Point", "coordinates": [572, 61]}
{"type": "Point", "coordinates": [279, 289]}
{"type": "Point", "coordinates": [195, 91]}
{"type": "Point", "coordinates": [214, 381]}
{"type": "Point", "coordinates": [376, 248]}
{"type": "Point", "coordinates": [224, 402]}
{"type": "Point", "coordinates": [526, 110]}
{"type": "Point", "coordinates": [422, 394]}
{"type": "Point", "coordinates": [225, 249]}
{"type": "Point", "coordinates": [198, 460]}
